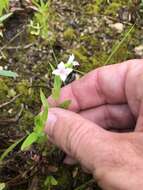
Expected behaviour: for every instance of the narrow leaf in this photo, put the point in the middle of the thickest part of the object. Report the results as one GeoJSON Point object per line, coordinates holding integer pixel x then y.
{"type": "Point", "coordinates": [8, 73]}
{"type": "Point", "coordinates": [119, 44]}
{"type": "Point", "coordinates": [50, 180]}
{"type": "Point", "coordinates": [53, 181]}
{"type": "Point", "coordinates": [9, 149]}
{"type": "Point", "coordinates": [52, 67]}
{"type": "Point", "coordinates": [4, 17]}
{"type": "Point", "coordinates": [38, 124]}
{"type": "Point", "coordinates": [57, 88]}
{"type": "Point", "coordinates": [43, 99]}
{"type": "Point", "coordinates": [33, 137]}
{"type": "Point", "coordinates": [44, 114]}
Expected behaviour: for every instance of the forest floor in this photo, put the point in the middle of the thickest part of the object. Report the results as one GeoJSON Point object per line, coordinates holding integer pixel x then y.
{"type": "Point", "coordinates": [91, 30]}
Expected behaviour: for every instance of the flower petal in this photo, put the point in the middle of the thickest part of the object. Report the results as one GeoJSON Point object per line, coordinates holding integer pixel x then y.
{"type": "Point", "coordinates": [56, 72]}
{"type": "Point", "coordinates": [75, 63]}
{"type": "Point", "coordinates": [68, 71]}
{"type": "Point", "coordinates": [71, 59]}
{"type": "Point", "coordinates": [63, 77]}
{"type": "Point", "coordinates": [61, 65]}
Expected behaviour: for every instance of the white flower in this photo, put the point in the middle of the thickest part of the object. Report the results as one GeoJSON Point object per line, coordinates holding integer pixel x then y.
{"type": "Point", "coordinates": [62, 71]}
{"type": "Point", "coordinates": [71, 61]}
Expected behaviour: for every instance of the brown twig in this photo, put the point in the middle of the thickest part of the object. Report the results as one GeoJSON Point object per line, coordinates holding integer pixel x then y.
{"type": "Point", "coordinates": [10, 101]}
{"type": "Point", "coordinates": [19, 47]}
{"type": "Point", "coordinates": [6, 122]}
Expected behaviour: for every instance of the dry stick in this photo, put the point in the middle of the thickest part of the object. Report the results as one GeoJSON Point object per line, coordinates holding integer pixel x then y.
{"type": "Point", "coordinates": [9, 102]}
{"type": "Point", "coordinates": [12, 39]}
{"type": "Point", "coordinates": [19, 47]}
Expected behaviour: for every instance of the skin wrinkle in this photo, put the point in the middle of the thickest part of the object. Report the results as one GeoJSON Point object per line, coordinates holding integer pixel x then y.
{"type": "Point", "coordinates": [129, 67]}
{"type": "Point", "coordinates": [137, 147]}
{"type": "Point", "coordinates": [135, 69]}
{"type": "Point", "coordinates": [75, 97]}
{"type": "Point", "coordinates": [75, 134]}
{"type": "Point", "coordinates": [82, 138]}
{"type": "Point", "coordinates": [125, 80]}
{"type": "Point", "coordinates": [98, 87]}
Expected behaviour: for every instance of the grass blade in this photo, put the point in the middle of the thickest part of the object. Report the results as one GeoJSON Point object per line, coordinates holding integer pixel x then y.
{"type": "Point", "coordinates": [9, 149]}
{"type": "Point", "coordinates": [4, 17]}
{"type": "Point", "coordinates": [119, 45]}
{"type": "Point", "coordinates": [33, 137]}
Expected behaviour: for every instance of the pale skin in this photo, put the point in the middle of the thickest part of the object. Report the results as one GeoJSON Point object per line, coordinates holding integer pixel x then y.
{"type": "Point", "coordinates": [103, 130]}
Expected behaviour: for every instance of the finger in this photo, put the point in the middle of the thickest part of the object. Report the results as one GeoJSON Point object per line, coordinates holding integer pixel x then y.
{"type": "Point", "coordinates": [101, 86]}
{"type": "Point", "coordinates": [74, 135]}
{"type": "Point", "coordinates": [111, 116]}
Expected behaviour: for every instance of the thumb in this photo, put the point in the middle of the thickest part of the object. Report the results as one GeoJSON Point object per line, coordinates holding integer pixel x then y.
{"type": "Point", "coordinates": [78, 137]}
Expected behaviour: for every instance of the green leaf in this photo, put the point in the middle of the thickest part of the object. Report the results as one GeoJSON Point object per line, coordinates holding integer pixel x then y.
{"type": "Point", "coordinates": [50, 180]}
{"type": "Point", "coordinates": [4, 5]}
{"type": "Point", "coordinates": [57, 88]}
{"type": "Point", "coordinates": [4, 17]}
{"type": "Point", "coordinates": [8, 73]}
{"type": "Point", "coordinates": [52, 67]}
{"type": "Point", "coordinates": [44, 114]}
{"type": "Point", "coordinates": [9, 149]}
{"type": "Point", "coordinates": [2, 186]}
{"type": "Point", "coordinates": [42, 138]}
{"type": "Point", "coordinates": [33, 137]}
{"type": "Point", "coordinates": [65, 104]}
{"type": "Point", "coordinates": [53, 181]}
{"type": "Point", "coordinates": [38, 123]}
{"type": "Point", "coordinates": [43, 99]}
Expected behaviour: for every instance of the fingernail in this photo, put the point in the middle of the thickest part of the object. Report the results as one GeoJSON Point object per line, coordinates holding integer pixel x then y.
{"type": "Point", "coordinates": [52, 118]}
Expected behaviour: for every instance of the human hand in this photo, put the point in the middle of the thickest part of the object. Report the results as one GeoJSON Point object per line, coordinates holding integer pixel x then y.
{"type": "Point", "coordinates": [103, 129]}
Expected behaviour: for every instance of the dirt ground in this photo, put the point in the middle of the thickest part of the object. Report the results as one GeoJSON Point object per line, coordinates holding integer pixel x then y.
{"type": "Point", "coordinates": [91, 30]}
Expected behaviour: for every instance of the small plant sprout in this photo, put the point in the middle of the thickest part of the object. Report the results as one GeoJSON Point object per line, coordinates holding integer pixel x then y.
{"type": "Point", "coordinates": [61, 73]}
{"type": "Point", "coordinates": [39, 26]}
{"type": "Point", "coordinates": [50, 181]}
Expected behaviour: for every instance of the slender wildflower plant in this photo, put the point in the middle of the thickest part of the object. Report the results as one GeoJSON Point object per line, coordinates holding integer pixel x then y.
{"type": "Point", "coordinates": [60, 75]}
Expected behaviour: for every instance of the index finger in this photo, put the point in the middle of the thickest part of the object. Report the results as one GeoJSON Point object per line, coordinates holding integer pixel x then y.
{"type": "Point", "coordinates": [105, 85]}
